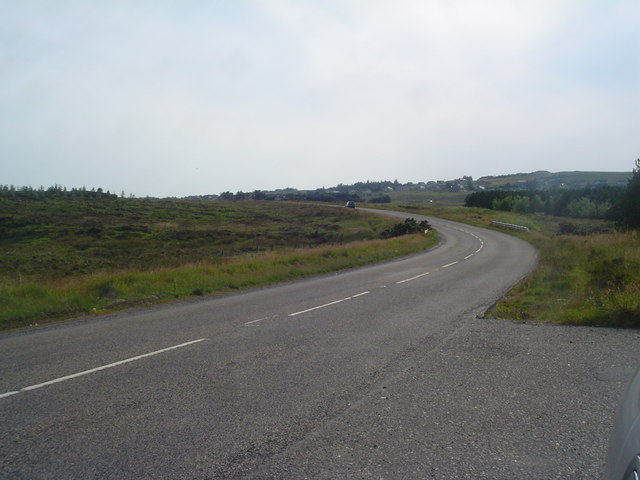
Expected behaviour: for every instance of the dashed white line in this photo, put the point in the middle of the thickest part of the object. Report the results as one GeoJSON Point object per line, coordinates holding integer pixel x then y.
{"type": "Point", "coordinates": [469, 256]}
{"type": "Point", "coordinates": [260, 319]}
{"type": "Point", "coordinates": [449, 264]}
{"type": "Point", "coordinates": [328, 304]}
{"type": "Point", "coordinates": [359, 294]}
{"type": "Point", "coordinates": [413, 278]}
{"type": "Point", "coordinates": [319, 306]}
{"type": "Point", "coordinates": [97, 369]}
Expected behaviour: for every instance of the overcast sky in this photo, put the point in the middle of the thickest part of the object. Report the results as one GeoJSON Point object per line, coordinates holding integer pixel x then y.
{"type": "Point", "coordinates": [174, 98]}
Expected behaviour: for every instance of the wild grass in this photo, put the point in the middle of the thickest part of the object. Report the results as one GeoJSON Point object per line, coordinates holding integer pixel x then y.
{"type": "Point", "coordinates": [58, 238]}
{"type": "Point", "coordinates": [53, 272]}
{"type": "Point", "coordinates": [581, 280]}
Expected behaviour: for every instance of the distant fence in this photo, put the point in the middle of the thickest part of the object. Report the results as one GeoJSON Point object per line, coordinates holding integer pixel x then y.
{"type": "Point", "coordinates": [511, 226]}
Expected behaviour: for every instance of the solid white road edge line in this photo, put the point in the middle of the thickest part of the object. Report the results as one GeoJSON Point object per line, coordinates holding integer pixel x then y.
{"type": "Point", "coordinates": [328, 304]}
{"type": "Point", "coordinates": [103, 367]}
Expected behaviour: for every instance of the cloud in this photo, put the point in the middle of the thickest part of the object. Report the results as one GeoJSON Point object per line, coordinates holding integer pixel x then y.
{"type": "Point", "coordinates": [175, 98]}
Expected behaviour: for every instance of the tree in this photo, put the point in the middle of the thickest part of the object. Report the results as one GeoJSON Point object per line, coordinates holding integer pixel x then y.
{"type": "Point", "coordinates": [537, 205]}
{"type": "Point", "coordinates": [582, 207]}
{"type": "Point", "coordinates": [505, 204]}
{"type": "Point", "coordinates": [521, 204]}
{"type": "Point", "coordinates": [627, 210]}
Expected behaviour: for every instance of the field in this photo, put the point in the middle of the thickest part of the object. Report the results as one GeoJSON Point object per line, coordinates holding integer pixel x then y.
{"type": "Point", "coordinates": [588, 273]}
{"type": "Point", "coordinates": [54, 238]}
{"type": "Point", "coordinates": [426, 197]}
{"type": "Point", "coordinates": [67, 257]}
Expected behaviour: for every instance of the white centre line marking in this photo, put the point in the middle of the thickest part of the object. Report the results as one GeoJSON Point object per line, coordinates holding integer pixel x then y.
{"type": "Point", "coordinates": [360, 294]}
{"type": "Point", "coordinates": [469, 256]}
{"type": "Point", "coordinates": [97, 369]}
{"type": "Point", "coordinates": [413, 278]}
{"type": "Point", "coordinates": [260, 319]}
{"type": "Point", "coordinates": [328, 304]}
{"type": "Point", "coordinates": [449, 264]}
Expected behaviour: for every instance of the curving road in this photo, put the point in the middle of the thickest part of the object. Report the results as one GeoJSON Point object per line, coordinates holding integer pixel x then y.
{"type": "Point", "coordinates": [377, 372]}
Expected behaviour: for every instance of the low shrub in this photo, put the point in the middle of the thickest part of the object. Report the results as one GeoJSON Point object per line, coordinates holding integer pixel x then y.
{"type": "Point", "coordinates": [410, 225]}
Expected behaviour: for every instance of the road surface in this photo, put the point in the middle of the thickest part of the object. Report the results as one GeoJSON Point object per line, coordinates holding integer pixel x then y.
{"type": "Point", "coordinates": [377, 372]}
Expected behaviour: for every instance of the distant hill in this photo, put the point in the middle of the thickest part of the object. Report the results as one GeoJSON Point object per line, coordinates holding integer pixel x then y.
{"type": "Point", "coordinates": [543, 180]}
{"type": "Point", "coordinates": [443, 191]}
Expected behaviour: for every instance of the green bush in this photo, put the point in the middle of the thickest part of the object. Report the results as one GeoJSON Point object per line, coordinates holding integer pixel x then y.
{"type": "Point", "coordinates": [410, 225]}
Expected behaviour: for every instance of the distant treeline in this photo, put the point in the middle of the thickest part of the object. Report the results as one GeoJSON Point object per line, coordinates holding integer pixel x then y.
{"type": "Point", "coordinates": [596, 202]}
{"type": "Point", "coordinates": [56, 191]}
{"type": "Point", "coordinates": [319, 195]}
{"type": "Point", "coordinates": [372, 186]}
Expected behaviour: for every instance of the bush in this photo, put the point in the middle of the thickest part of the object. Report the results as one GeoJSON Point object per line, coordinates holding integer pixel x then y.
{"type": "Point", "coordinates": [380, 199]}
{"type": "Point", "coordinates": [410, 225]}
{"type": "Point", "coordinates": [569, 228]}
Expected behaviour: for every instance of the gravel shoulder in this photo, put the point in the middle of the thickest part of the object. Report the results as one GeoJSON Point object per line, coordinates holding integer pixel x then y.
{"type": "Point", "coordinates": [495, 400]}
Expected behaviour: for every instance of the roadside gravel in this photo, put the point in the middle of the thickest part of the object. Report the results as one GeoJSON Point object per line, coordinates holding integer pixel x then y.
{"type": "Point", "coordinates": [496, 400]}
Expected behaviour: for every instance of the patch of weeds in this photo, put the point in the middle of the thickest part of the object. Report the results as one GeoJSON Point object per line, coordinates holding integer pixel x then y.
{"type": "Point", "coordinates": [106, 290]}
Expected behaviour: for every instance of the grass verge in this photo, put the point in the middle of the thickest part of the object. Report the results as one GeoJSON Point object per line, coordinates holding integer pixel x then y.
{"type": "Point", "coordinates": [581, 280]}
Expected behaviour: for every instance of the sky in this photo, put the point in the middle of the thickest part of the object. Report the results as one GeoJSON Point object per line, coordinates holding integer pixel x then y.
{"type": "Point", "coordinates": [193, 97]}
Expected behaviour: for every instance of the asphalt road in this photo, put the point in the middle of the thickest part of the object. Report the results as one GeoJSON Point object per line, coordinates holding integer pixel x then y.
{"type": "Point", "coordinates": [378, 372]}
